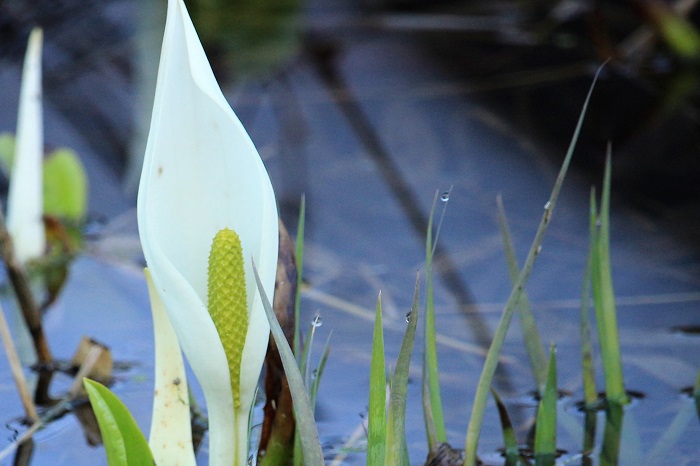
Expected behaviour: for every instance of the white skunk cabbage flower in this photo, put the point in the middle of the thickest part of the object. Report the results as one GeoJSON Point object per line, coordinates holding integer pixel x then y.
{"type": "Point", "coordinates": [25, 197]}
{"type": "Point", "coordinates": [202, 177]}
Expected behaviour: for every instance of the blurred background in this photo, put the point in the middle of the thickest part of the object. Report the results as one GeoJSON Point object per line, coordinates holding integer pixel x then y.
{"type": "Point", "coordinates": [368, 107]}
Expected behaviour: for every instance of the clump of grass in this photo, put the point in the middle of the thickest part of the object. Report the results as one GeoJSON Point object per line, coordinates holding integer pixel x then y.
{"type": "Point", "coordinates": [489, 369]}
{"type": "Point", "coordinates": [386, 439]}
{"type": "Point", "coordinates": [531, 335]}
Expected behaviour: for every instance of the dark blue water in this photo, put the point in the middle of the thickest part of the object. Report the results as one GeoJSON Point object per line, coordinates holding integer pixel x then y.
{"type": "Point", "coordinates": [369, 123]}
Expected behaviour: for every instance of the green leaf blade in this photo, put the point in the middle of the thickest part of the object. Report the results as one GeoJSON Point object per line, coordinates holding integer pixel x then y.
{"type": "Point", "coordinates": [306, 425]}
{"type": "Point", "coordinates": [376, 418]}
{"type": "Point", "coordinates": [546, 432]}
{"type": "Point", "coordinates": [396, 451]}
{"type": "Point", "coordinates": [125, 445]}
{"type": "Point", "coordinates": [432, 399]}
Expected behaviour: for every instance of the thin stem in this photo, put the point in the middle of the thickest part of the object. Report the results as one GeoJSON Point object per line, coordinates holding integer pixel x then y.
{"type": "Point", "coordinates": [25, 298]}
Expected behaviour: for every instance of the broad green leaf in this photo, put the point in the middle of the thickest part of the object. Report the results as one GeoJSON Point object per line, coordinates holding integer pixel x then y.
{"type": "Point", "coordinates": [396, 451]}
{"type": "Point", "coordinates": [311, 447]}
{"type": "Point", "coordinates": [546, 427]}
{"type": "Point", "coordinates": [376, 418]}
{"type": "Point", "coordinates": [65, 186]}
{"type": "Point", "coordinates": [124, 443]}
{"type": "Point", "coordinates": [489, 369]}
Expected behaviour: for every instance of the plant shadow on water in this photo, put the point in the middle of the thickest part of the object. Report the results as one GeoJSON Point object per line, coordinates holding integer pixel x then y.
{"type": "Point", "coordinates": [368, 139]}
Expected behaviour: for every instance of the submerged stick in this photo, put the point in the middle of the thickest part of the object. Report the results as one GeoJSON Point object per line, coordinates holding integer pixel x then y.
{"type": "Point", "coordinates": [60, 407]}
{"type": "Point", "coordinates": [25, 298]}
{"type": "Point", "coordinates": [16, 367]}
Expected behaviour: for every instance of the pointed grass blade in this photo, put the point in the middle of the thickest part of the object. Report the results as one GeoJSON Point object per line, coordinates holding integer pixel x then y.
{"type": "Point", "coordinates": [396, 452]}
{"type": "Point", "coordinates": [299, 255]}
{"type": "Point", "coordinates": [531, 335]}
{"type": "Point", "coordinates": [546, 427]}
{"type": "Point", "coordinates": [124, 443]}
{"type": "Point", "coordinates": [376, 418]}
{"type": "Point", "coordinates": [311, 447]}
{"type": "Point", "coordinates": [589, 384]}
{"type": "Point", "coordinates": [512, 450]}
{"type": "Point", "coordinates": [487, 373]}
{"type": "Point", "coordinates": [604, 299]}
{"type": "Point", "coordinates": [432, 400]}
{"type": "Point", "coordinates": [318, 372]}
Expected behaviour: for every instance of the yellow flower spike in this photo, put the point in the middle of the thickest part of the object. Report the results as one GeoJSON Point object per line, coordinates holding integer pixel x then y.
{"type": "Point", "coordinates": [228, 301]}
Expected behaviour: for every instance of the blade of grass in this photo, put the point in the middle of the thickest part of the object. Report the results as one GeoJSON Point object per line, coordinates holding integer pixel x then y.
{"type": "Point", "coordinates": [299, 256]}
{"type": "Point", "coordinates": [311, 447]}
{"type": "Point", "coordinates": [590, 390]}
{"type": "Point", "coordinates": [604, 298]}
{"type": "Point", "coordinates": [696, 394]}
{"type": "Point", "coordinates": [318, 373]}
{"type": "Point", "coordinates": [432, 401]}
{"type": "Point", "coordinates": [531, 336]}
{"type": "Point", "coordinates": [376, 422]}
{"type": "Point", "coordinates": [546, 427]}
{"type": "Point", "coordinates": [610, 450]}
{"type": "Point", "coordinates": [512, 450]}
{"type": "Point", "coordinates": [480, 399]}
{"type": "Point", "coordinates": [304, 361]}
{"type": "Point", "coordinates": [396, 452]}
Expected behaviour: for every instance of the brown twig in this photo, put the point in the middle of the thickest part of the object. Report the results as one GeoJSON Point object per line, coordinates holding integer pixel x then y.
{"type": "Point", "coordinates": [25, 299]}
{"type": "Point", "coordinates": [16, 368]}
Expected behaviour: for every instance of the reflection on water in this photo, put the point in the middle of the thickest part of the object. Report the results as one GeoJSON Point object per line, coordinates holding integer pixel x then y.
{"type": "Point", "coordinates": [369, 110]}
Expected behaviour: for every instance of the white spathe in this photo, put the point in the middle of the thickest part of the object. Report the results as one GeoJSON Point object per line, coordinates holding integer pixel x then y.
{"type": "Point", "coordinates": [201, 174]}
{"type": "Point", "coordinates": [170, 439]}
{"type": "Point", "coordinates": [25, 197]}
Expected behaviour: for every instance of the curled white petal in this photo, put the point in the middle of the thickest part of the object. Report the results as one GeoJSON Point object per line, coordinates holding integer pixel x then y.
{"type": "Point", "coordinates": [25, 196]}
{"type": "Point", "coordinates": [201, 174]}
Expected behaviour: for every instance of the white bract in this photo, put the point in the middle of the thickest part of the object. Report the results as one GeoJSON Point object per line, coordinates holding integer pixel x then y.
{"type": "Point", "coordinates": [25, 196]}
{"type": "Point", "coordinates": [202, 174]}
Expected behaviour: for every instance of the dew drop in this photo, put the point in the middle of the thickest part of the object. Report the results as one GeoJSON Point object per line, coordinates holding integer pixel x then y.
{"type": "Point", "coordinates": [317, 321]}
{"type": "Point", "coordinates": [538, 250]}
{"type": "Point", "coordinates": [548, 205]}
{"type": "Point", "coordinates": [445, 196]}
{"type": "Point", "coordinates": [408, 316]}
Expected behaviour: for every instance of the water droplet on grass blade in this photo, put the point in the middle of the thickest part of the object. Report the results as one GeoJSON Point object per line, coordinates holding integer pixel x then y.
{"type": "Point", "coordinates": [408, 316]}
{"type": "Point", "coordinates": [317, 321]}
{"type": "Point", "coordinates": [445, 196]}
